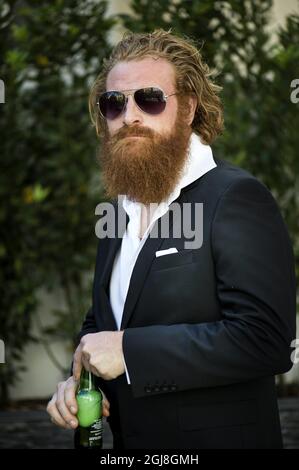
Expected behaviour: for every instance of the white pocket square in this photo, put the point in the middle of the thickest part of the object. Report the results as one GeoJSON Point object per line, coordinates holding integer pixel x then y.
{"type": "Point", "coordinates": [166, 252]}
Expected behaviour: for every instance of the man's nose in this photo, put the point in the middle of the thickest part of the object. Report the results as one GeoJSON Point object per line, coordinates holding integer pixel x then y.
{"type": "Point", "coordinates": [132, 114]}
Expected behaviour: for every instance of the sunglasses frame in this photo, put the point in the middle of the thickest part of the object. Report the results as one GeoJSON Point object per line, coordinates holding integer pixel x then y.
{"type": "Point", "coordinates": [131, 92]}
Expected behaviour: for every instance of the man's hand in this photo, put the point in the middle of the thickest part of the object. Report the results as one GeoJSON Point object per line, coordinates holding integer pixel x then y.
{"type": "Point", "coordinates": [101, 353]}
{"type": "Point", "coordinates": [63, 406]}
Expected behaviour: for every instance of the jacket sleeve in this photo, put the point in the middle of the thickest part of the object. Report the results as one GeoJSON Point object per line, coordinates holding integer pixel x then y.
{"type": "Point", "coordinates": [89, 325]}
{"type": "Point", "coordinates": [256, 288]}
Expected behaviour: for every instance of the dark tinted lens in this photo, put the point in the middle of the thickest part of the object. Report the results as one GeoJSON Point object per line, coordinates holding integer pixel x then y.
{"type": "Point", "coordinates": [150, 100]}
{"type": "Point", "coordinates": [111, 104]}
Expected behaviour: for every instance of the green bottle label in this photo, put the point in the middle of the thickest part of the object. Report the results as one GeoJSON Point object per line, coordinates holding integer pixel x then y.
{"type": "Point", "coordinates": [95, 433]}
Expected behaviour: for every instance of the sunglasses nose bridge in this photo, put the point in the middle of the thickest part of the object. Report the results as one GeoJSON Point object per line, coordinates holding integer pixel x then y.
{"type": "Point", "coordinates": [131, 111]}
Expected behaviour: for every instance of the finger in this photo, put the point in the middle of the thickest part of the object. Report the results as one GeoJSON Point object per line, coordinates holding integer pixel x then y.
{"type": "Point", "coordinates": [104, 396]}
{"type": "Point", "coordinates": [105, 411]}
{"type": "Point", "coordinates": [70, 396]}
{"type": "Point", "coordinates": [106, 408]}
{"type": "Point", "coordinates": [105, 401]}
{"type": "Point", "coordinates": [58, 421]}
{"type": "Point", "coordinates": [85, 362]}
{"type": "Point", "coordinates": [105, 405]}
{"type": "Point", "coordinates": [66, 415]}
{"type": "Point", "coordinates": [56, 418]}
{"type": "Point", "coordinates": [94, 371]}
{"type": "Point", "coordinates": [77, 363]}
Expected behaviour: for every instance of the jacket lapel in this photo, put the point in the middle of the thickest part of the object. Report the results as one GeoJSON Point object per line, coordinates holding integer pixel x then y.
{"type": "Point", "coordinates": [142, 265]}
{"type": "Point", "coordinates": [121, 222]}
{"type": "Point", "coordinates": [139, 274]}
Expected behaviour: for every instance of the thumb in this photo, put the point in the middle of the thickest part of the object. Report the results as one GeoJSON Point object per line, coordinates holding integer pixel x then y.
{"type": "Point", "coordinates": [77, 364]}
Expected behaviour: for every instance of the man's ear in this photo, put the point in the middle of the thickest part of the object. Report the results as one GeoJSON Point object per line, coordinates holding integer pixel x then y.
{"type": "Point", "coordinates": [191, 106]}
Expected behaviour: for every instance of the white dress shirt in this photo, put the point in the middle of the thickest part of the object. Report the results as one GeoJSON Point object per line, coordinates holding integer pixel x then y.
{"type": "Point", "coordinates": [200, 160]}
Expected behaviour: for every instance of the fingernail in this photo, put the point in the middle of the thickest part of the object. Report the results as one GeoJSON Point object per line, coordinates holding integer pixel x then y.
{"type": "Point", "coordinates": [73, 423]}
{"type": "Point", "coordinates": [73, 409]}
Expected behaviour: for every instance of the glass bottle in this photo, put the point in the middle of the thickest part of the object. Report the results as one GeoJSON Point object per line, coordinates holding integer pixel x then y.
{"type": "Point", "coordinates": [89, 399]}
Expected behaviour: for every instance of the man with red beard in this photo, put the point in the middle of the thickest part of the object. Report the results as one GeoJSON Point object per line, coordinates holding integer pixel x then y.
{"type": "Point", "coordinates": [185, 342]}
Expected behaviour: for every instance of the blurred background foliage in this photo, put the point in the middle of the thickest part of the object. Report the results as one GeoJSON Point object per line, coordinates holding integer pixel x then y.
{"type": "Point", "coordinates": [49, 52]}
{"type": "Point", "coordinates": [49, 180]}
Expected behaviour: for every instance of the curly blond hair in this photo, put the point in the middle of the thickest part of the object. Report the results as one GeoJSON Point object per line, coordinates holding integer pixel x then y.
{"type": "Point", "coordinates": [192, 77]}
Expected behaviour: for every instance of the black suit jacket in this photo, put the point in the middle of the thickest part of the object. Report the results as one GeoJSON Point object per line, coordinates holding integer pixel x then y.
{"type": "Point", "coordinates": [206, 329]}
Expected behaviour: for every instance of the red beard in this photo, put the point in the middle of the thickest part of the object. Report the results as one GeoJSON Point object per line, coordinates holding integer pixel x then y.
{"type": "Point", "coordinates": [146, 168]}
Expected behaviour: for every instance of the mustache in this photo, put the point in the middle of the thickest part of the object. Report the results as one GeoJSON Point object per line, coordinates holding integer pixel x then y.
{"type": "Point", "coordinates": [133, 132]}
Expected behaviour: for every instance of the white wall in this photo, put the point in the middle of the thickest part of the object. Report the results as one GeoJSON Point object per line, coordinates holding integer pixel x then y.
{"type": "Point", "coordinates": [282, 8]}
{"type": "Point", "coordinates": [41, 376]}
{"type": "Point", "coordinates": [114, 7]}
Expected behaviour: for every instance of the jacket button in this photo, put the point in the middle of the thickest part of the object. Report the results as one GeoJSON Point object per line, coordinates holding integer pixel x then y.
{"type": "Point", "coordinates": [173, 387]}
{"type": "Point", "coordinates": [148, 389]}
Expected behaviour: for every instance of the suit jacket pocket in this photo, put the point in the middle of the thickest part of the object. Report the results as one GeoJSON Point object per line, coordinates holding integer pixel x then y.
{"type": "Point", "coordinates": [210, 415]}
{"type": "Point", "coordinates": [173, 260]}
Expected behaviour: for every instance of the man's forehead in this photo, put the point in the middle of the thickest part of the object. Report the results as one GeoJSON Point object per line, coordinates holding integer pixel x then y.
{"type": "Point", "coordinates": [141, 73]}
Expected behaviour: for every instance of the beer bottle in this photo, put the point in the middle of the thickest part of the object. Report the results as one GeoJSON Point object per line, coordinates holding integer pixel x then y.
{"type": "Point", "coordinates": [89, 399]}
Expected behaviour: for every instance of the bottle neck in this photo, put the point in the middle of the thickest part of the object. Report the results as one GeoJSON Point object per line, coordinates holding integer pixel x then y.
{"type": "Point", "coordinates": [87, 380]}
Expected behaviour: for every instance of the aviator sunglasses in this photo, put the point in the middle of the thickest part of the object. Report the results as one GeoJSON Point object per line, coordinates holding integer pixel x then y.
{"type": "Point", "coordinates": [151, 100]}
